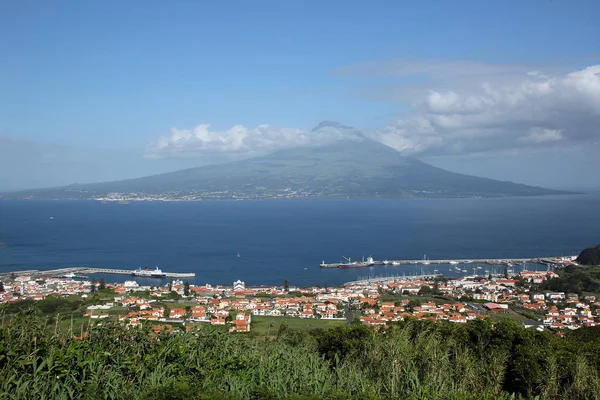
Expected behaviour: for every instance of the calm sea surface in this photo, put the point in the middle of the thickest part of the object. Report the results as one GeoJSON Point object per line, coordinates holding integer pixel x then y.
{"type": "Point", "coordinates": [280, 240]}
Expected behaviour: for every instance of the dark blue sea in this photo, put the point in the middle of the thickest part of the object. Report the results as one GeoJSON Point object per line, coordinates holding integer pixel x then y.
{"type": "Point", "coordinates": [279, 240]}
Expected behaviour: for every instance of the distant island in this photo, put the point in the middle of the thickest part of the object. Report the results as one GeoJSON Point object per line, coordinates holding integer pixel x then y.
{"type": "Point", "coordinates": [355, 167]}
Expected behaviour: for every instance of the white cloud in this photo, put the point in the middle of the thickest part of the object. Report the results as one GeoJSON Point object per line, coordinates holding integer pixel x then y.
{"type": "Point", "coordinates": [459, 107]}
{"type": "Point", "coordinates": [533, 110]}
{"type": "Point", "coordinates": [239, 141]}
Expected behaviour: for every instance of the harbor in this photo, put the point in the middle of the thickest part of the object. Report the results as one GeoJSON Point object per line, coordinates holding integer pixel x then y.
{"type": "Point", "coordinates": [80, 272]}
{"type": "Point", "coordinates": [370, 262]}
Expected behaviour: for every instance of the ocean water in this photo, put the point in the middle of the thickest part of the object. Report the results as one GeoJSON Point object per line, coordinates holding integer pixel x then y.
{"type": "Point", "coordinates": [280, 240]}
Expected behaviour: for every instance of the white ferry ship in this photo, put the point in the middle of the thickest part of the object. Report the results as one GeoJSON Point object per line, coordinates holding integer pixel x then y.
{"type": "Point", "coordinates": [147, 273]}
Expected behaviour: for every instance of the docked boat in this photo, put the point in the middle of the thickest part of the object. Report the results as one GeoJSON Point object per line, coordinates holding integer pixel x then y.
{"type": "Point", "coordinates": [147, 273]}
{"type": "Point", "coordinates": [356, 264]}
{"type": "Point", "coordinates": [453, 262]}
{"type": "Point", "coordinates": [425, 260]}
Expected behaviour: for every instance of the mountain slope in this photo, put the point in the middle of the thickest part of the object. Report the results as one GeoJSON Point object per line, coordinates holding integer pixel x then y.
{"type": "Point", "coordinates": [355, 167]}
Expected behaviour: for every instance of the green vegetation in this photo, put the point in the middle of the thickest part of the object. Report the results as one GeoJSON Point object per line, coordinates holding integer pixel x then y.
{"type": "Point", "coordinates": [590, 256]}
{"type": "Point", "coordinates": [574, 279]}
{"type": "Point", "coordinates": [411, 360]}
{"type": "Point", "coordinates": [269, 326]}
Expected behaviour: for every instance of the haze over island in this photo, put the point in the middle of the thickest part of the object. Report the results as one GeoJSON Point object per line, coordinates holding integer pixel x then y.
{"type": "Point", "coordinates": [161, 92]}
{"type": "Point", "coordinates": [334, 161]}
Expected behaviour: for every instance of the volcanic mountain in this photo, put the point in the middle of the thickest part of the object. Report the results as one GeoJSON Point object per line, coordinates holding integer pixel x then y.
{"type": "Point", "coordinates": [349, 166]}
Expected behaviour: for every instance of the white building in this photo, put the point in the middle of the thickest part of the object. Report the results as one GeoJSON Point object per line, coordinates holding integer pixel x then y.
{"type": "Point", "coordinates": [239, 286]}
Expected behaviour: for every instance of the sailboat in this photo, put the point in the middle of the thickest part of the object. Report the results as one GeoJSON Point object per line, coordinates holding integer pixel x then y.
{"type": "Point", "coordinates": [238, 254]}
{"type": "Point", "coordinates": [425, 260]}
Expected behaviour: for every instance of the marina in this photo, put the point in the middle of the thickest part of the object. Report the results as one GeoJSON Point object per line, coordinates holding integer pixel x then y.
{"type": "Point", "coordinates": [346, 263]}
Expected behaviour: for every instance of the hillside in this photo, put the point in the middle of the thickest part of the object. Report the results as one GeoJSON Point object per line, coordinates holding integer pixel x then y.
{"type": "Point", "coordinates": [590, 256]}
{"type": "Point", "coordinates": [412, 360]}
{"type": "Point", "coordinates": [354, 167]}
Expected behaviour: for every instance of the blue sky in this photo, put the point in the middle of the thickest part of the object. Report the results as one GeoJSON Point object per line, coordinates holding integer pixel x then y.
{"type": "Point", "coordinates": [87, 89]}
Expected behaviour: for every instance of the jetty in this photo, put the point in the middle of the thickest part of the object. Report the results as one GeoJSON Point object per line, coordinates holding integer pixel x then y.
{"type": "Point", "coordinates": [392, 278]}
{"type": "Point", "coordinates": [79, 271]}
{"type": "Point", "coordinates": [491, 261]}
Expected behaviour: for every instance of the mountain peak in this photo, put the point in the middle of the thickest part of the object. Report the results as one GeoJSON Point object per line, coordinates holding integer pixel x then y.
{"type": "Point", "coordinates": [330, 124]}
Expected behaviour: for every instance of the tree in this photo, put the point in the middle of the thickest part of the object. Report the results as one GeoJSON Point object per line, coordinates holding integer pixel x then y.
{"type": "Point", "coordinates": [186, 288]}
{"type": "Point", "coordinates": [102, 284]}
{"type": "Point", "coordinates": [590, 256]}
{"type": "Point", "coordinates": [436, 287]}
{"type": "Point", "coordinates": [425, 290]}
{"type": "Point", "coordinates": [93, 286]}
{"type": "Point", "coordinates": [170, 284]}
{"type": "Point", "coordinates": [286, 285]}
{"type": "Point", "coordinates": [1, 287]}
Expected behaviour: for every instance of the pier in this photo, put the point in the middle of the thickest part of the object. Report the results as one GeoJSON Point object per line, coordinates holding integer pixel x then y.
{"type": "Point", "coordinates": [393, 278]}
{"type": "Point", "coordinates": [89, 270]}
{"type": "Point", "coordinates": [491, 261]}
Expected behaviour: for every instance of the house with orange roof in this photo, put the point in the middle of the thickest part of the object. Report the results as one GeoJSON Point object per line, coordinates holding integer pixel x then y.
{"type": "Point", "coordinates": [199, 314]}
{"type": "Point", "coordinates": [240, 326]}
{"type": "Point", "coordinates": [458, 318]}
{"type": "Point", "coordinates": [177, 313]}
{"type": "Point", "coordinates": [276, 312]}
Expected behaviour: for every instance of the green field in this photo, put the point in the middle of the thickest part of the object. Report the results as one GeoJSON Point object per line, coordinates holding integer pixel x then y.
{"type": "Point", "coordinates": [509, 316]}
{"type": "Point", "coordinates": [268, 326]}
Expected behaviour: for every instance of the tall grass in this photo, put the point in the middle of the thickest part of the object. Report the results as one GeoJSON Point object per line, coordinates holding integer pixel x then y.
{"type": "Point", "coordinates": [408, 362]}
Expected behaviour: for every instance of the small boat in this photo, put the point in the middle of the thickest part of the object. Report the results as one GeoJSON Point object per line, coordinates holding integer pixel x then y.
{"type": "Point", "coordinates": [453, 262]}
{"type": "Point", "coordinates": [51, 217]}
{"type": "Point", "coordinates": [425, 260]}
{"type": "Point", "coordinates": [238, 254]}
{"type": "Point", "coordinates": [395, 263]}
{"type": "Point", "coordinates": [70, 275]}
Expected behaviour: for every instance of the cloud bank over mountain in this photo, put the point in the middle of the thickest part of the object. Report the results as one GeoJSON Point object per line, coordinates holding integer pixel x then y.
{"type": "Point", "coordinates": [455, 108]}
{"type": "Point", "coordinates": [242, 141]}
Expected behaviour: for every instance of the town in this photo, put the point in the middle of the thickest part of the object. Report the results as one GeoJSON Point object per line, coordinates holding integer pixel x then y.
{"type": "Point", "coordinates": [375, 303]}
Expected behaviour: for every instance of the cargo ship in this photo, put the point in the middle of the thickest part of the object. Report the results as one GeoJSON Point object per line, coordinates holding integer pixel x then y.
{"type": "Point", "coordinates": [147, 273]}
{"type": "Point", "coordinates": [357, 264]}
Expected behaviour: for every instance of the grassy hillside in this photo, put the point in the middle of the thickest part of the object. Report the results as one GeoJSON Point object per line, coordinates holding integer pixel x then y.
{"type": "Point", "coordinates": [412, 360]}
